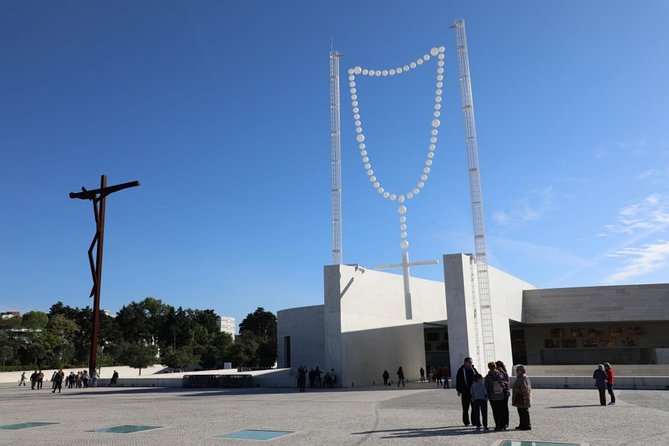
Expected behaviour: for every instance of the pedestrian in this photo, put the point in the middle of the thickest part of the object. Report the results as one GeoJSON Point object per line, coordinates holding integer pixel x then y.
{"type": "Point", "coordinates": [114, 378]}
{"type": "Point", "coordinates": [422, 374]}
{"type": "Point", "coordinates": [494, 384]}
{"type": "Point", "coordinates": [400, 377]}
{"type": "Point", "coordinates": [317, 374]}
{"type": "Point", "coordinates": [463, 384]}
{"type": "Point", "coordinates": [599, 375]}
{"type": "Point", "coordinates": [53, 380]}
{"type": "Point", "coordinates": [33, 380]}
{"type": "Point", "coordinates": [40, 379]}
{"type": "Point", "coordinates": [446, 375]}
{"type": "Point", "coordinates": [58, 381]}
{"type": "Point", "coordinates": [609, 381]}
{"type": "Point", "coordinates": [521, 398]}
{"type": "Point", "coordinates": [386, 376]}
{"type": "Point", "coordinates": [501, 368]}
{"type": "Point", "coordinates": [23, 379]}
{"type": "Point", "coordinates": [479, 403]}
{"type": "Point", "coordinates": [301, 377]}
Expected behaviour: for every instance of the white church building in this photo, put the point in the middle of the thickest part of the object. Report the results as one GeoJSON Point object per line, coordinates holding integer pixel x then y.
{"type": "Point", "coordinates": [361, 329]}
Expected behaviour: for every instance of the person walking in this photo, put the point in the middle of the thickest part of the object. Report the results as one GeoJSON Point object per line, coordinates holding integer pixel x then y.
{"type": "Point", "coordinates": [463, 384]}
{"type": "Point", "coordinates": [400, 377]}
{"type": "Point", "coordinates": [599, 375]}
{"type": "Point", "coordinates": [23, 379]}
{"type": "Point", "coordinates": [58, 381]}
{"type": "Point", "coordinates": [446, 375]}
{"type": "Point", "coordinates": [386, 377]}
{"type": "Point", "coordinates": [521, 398]}
{"type": "Point", "coordinates": [479, 403]}
{"type": "Point", "coordinates": [609, 382]}
{"type": "Point", "coordinates": [422, 374]}
{"type": "Point", "coordinates": [494, 384]}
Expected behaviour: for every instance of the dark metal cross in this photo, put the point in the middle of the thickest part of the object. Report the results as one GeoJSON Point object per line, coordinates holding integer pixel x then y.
{"type": "Point", "coordinates": [98, 198]}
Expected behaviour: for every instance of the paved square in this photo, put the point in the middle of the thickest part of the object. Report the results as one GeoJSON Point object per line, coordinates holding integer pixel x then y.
{"type": "Point", "coordinates": [125, 429]}
{"type": "Point", "coordinates": [419, 414]}
{"type": "Point", "coordinates": [251, 434]}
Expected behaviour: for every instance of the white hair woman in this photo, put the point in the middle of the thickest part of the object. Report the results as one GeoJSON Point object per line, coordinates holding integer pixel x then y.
{"type": "Point", "coordinates": [521, 396]}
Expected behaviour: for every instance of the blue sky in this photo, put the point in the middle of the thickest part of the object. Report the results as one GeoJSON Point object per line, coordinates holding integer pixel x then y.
{"type": "Point", "coordinates": [221, 110]}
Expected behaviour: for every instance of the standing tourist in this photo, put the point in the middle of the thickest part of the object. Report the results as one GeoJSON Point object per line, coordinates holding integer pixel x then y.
{"type": "Point", "coordinates": [479, 403]}
{"type": "Point", "coordinates": [599, 376]}
{"type": "Point", "coordinates": [400, 377]}
{"type": "Point", "coordinates": [521, 396]}
{"type": "Point", "coordinates": [609, 381]}
{"type": "Point", "coordinates": [501, 368]}
{"type": "Point", "coordinates": [463, 384]}
{"type": "Point", "coordinates": [494, 384]}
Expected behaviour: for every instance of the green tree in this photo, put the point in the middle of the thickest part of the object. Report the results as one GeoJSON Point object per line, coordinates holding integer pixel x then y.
{"type": "Point", "coordinates": [6, 353]}
{"type": "Point", "coordinates": [261, 325]}
{"type": "Point", "coordinates": [138, 355]}
{"type": "Point", "coordinates": [178, 359]}
{"type": "Point", "coordinates": [243, 352]}
{"type": "Point", "coordinates": [35, 320]}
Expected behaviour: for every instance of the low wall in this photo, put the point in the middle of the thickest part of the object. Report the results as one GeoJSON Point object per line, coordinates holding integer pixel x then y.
{"type": "Point", "coordinates": [586, 382]}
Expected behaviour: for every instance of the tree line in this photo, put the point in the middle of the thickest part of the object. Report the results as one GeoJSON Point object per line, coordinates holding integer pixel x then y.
{"type": "Point", "coordinates": [142, 333]}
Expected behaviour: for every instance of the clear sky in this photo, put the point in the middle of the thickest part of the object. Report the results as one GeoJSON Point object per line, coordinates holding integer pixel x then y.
{"type": "Point", "coordinates": [221, 110]}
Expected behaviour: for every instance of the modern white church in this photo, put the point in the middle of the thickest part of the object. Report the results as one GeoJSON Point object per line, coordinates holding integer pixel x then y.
{"type": "Point", "coordinates": [371, 321]}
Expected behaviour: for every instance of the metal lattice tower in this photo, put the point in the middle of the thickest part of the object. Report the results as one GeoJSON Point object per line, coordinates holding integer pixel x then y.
{"type": "Point", "coordinates": [335, 157]}
{"type": "Point", "coordinates": [485, 310]}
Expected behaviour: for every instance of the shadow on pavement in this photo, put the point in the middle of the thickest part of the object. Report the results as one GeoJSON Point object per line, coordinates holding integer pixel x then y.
{"type": "Point", "coordinates": [446, 431]}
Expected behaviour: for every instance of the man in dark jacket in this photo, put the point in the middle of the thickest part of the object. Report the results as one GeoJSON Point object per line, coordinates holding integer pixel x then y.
{"type": "Point", "coordinates": [463, 384]}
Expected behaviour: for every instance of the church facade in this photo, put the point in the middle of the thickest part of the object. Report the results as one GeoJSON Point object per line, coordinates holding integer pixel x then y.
{"type": "Point", "coordinates": [361, 328]}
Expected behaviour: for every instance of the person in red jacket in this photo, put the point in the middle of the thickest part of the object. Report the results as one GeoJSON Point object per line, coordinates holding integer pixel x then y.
{"type": "Point", "coordinates": [609, 381]}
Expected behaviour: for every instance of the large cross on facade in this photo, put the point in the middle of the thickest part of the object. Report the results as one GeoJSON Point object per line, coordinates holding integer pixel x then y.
{"type": "Point", "coordinates": [406, 278]}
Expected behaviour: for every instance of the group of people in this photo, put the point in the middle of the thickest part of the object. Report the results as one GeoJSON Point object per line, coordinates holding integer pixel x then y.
{"type": "Point", "coordinates": [476, 391]}
{"type": "Point", "coordinates": [604, 380]}
{"type": "Point", "coordinates": [315, 380]}
{"type": "Point", "coordinates": [439, 375]}
{"type": "Point", "coordinates": [74, 380]}
{"type": "Point", "coordinates": [400, 378]}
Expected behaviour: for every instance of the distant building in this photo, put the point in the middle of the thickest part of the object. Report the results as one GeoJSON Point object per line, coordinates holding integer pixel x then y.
{"type": "Point", "coordinates": [227, 325]}
{"type": "Point", "coordinates": [10, 315]}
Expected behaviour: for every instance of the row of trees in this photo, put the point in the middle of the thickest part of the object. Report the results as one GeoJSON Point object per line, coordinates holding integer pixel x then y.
{"type": "Point", "coordinates": [141, 334]}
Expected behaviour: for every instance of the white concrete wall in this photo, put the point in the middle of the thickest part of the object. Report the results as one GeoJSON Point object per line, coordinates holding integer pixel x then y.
{"type": "Point", "coordinates": [461, 328]}
{"type": "Point", "coordinates": [506, 297]}
{"type": "Point", "coordinates": [305, 326]}
{"type": "Point", "coordinates": [600, 304]}
{"type": "Point", "coordinates": [372, 333]}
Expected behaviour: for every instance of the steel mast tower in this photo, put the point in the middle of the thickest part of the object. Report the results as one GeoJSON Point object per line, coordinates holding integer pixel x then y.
{"type": "Point", "coordinates": [484, 307]}
{"type": "Point", "coordinates": [335, 156]}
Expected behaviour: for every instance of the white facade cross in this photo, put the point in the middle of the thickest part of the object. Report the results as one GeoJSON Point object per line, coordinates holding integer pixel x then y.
{"type": "Point", "coordinates": [405, 276]}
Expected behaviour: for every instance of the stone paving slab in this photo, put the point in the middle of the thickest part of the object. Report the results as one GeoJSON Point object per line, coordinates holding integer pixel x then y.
{"type": "Point", "coordinates": [416, 415]}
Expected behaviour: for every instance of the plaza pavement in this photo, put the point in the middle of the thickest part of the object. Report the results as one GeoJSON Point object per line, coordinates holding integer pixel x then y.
{"type": "Point", "coordinates": [418, 414]}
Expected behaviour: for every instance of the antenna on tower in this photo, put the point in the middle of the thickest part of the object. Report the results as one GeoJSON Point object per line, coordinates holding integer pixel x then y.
{"type": "Point", "coordinates": [335, 155]}
{"type": "Point", "coordinates": [484, 305]}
